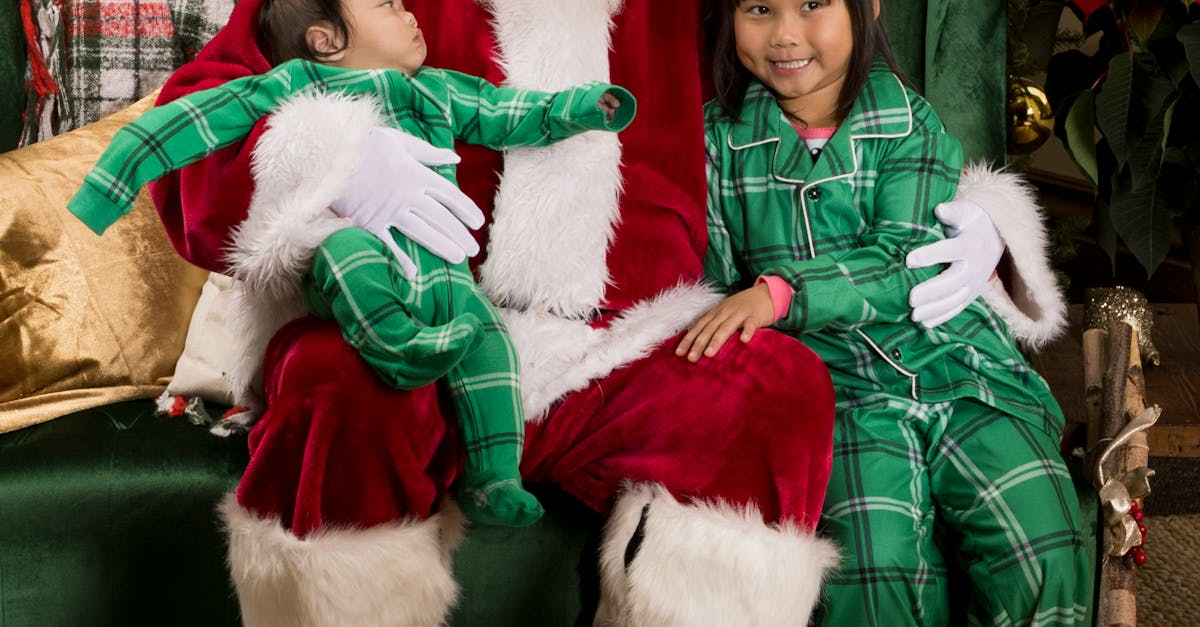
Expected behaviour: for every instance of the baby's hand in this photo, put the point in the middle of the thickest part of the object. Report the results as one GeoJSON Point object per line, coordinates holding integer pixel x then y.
{"type": "Point", "coordinates": [748, 310]}
{"type": "Point", "coordinates": [609, 105]}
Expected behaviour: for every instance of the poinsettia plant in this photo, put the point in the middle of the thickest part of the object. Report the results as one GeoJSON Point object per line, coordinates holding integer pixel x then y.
{"type": "Point", "coordinates": [1129, 116]}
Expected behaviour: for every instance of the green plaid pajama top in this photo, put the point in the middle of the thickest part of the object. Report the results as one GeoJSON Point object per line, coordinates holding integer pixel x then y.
{"type": "Point", "coordinates": [838, 230]}
{"type": "Point", "coordinates": [409, 332]}
{"type": "Point", "coordinates": [436, 105]}
{"type": "Point", "coordinates": [945, 429]}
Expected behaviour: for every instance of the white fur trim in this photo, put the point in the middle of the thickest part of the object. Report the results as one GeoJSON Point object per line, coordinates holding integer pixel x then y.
{"type": "Point", "coordinates": [706, 564]}
{"type": "Point", "coordinates": [394, 574]}
{"type": "Point", "coordinates": [1035, 310]}
{"type": "Point", "coordinates": [301, 164]}
{"type": "Point", "coordinates": [556, 206]}
{"type": "Point", "coordinates": [288, 218]}
{"type": "Point", "coordinates": [559, 355]}
{"type": "Point", "coordinates": [258, 317]}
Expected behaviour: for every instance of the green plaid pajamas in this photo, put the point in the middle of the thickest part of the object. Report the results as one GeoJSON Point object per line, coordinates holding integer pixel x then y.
{"type": "Point", "coordinates": [410, 333]}
{"type": "Point", "coordinates": [436, 105]}
{"type": "Point", "coordinates": [912, 482]}
{"type": "Point", "coordinates": [838, 230]}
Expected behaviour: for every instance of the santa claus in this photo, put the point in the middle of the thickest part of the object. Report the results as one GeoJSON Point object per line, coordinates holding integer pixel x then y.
{"type": "Point", "coordinates": [712, 474]}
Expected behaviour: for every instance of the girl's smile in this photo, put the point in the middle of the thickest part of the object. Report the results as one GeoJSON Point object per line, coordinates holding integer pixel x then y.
{"type": "Point", "coordinates": [799, 49]}
{"type": "Point", "coordinates": [792, 65]}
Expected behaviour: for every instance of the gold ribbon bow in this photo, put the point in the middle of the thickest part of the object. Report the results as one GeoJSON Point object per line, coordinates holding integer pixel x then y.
{"type": "Point", "coordinates": [1117, 495]}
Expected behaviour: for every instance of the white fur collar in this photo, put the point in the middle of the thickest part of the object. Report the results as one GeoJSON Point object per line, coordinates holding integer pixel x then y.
{"type": "Point", "coordinates": [557, 206]}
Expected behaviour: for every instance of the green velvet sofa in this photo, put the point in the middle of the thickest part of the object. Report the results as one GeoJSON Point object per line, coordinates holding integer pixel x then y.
{"type": "Point", "coordinates": [107, 515]}
{"type": "Point", "coordinates": [107, 519]}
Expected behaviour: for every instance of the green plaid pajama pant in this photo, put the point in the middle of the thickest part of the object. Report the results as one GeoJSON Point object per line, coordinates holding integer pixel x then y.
{"type": "Point", "coordinates": [914, 484]}
{"type": "Point", "coordinates": [407, 331]}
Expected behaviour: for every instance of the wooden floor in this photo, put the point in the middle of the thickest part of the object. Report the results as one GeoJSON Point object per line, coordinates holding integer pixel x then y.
{"type": "Point", "coordinates": [1174, 385]}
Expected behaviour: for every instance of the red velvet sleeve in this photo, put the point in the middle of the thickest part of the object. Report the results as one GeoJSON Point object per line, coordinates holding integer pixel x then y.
{"type": "Point", "coordinates": [201, 203]}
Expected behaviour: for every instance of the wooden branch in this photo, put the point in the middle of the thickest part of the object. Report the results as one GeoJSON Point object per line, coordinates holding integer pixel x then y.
{"type": "Point", "coordinates": [1095, 356]}
{"type": "Point", "coordinates": [1122, 398]}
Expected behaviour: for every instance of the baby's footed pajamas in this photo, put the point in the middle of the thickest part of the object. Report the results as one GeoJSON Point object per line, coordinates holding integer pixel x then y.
{"type": "Point", "coordinates": [412, 333]}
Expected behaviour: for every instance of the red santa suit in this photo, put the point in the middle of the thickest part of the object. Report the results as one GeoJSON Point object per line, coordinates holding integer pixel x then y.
{"type": "Point", "coordinates": [594, 252]}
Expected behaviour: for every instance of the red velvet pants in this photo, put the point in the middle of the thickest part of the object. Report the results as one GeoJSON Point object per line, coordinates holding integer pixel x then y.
{"type": "Point", "coordinates": [337, 447]}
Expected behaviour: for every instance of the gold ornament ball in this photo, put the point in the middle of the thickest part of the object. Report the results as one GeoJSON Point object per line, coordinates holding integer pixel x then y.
{"type": "Point", "coordinates": [1030, 119]}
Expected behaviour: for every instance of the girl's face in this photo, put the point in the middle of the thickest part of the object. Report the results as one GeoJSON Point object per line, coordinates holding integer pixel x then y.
{"type": "Point", "coordinates": [799, 49]}
{"type": "Point", "coordinates": [382, 36]}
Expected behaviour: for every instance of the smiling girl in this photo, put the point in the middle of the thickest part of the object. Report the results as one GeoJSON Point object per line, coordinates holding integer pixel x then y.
{"type": "Point", "coordinates": [824, 170]}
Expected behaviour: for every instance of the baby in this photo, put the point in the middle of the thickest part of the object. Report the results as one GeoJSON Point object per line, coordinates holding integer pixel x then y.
{"type": "Point", "coordinates": [412, 316]}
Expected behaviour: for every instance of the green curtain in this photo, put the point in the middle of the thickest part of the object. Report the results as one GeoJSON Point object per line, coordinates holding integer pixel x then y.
{"type": "Point", "coordinates": [12, 73]}
{"type": "Point", "coordinates": [955, 51]}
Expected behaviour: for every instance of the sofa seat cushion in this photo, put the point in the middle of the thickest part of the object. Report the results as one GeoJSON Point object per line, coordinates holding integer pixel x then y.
{"type": "Point", "coordinates": [107, 518]}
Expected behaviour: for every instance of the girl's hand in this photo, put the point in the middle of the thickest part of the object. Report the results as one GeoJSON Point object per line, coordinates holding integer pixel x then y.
{"type": "Point", "coordinates": [748, 310]}
{"type": "Point", "coordinates": [609, 105]}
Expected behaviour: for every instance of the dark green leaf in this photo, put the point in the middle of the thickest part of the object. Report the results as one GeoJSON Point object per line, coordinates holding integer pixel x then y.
{"type": "Point", "coordinates": [1080, 135]}
{"type": "Point", "coordinates": [1146, 149]}
{"type": "Point", "coordinates": [1144, 17]}
{"type": "Point", "coordinates": [1133, 94]}
{"type": "Point", "coordinates": [1142, 218]}
{"type": "Point", "coordinates": [1112, 105]}
{"type": "Point", "coordinates": [1189, 36]}
{"type": "Point", "coordinates": [1060, 120]}
{"type": "Point", "coordinates": [1164, 44]}
{"type": "Point", "coordinates": [1041, 29]}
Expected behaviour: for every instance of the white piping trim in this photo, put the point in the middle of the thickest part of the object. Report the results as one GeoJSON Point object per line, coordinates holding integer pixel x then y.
{"type": "Point", "coordinates": [911, 375]}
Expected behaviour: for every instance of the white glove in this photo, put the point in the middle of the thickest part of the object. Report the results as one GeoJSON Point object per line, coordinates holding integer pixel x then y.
{"type": "Point", "coordinates": [972, 250]}
{"type": "Point", "coordinates": [393, 187]}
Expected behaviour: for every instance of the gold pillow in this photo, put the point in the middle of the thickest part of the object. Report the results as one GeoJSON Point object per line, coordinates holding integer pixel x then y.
{"type": "Point", "coordinates": [84, 320]}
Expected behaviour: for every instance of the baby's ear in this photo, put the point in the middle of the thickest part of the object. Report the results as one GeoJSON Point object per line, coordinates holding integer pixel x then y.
{"type": "Point", "coordinates": [324, 41]}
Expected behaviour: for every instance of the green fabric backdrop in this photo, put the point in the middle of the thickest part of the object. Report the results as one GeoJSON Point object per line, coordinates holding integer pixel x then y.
{"type": "Point", "coordinates": [12, 74]}
{"type": "Point", "coordinates": [954, 50]}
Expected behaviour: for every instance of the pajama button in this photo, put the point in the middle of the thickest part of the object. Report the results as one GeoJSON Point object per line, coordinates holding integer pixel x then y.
{"type": "Point", "coordinates": [814, 193]}
{"type": "Point", "coordinates": [896, 354]}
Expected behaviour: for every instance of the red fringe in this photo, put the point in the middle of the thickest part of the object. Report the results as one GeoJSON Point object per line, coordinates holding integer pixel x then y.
{"type": "Point", "coordinates": [43, 82]}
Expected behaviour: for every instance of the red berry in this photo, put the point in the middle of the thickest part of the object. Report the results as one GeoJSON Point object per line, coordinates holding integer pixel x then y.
{"type": "Point", "coordinates": [1138, 555]}
{"type": "Point", "coordinates": [1134, 507]}
{"type": "Point", "coordinates": [1139, 515]}
{"type": "Point", "coordinates": [1142, 529]}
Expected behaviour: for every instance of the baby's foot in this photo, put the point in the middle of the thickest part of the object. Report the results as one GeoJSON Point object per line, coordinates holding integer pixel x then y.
{"type": "Point", "coordinates": [502, 502]}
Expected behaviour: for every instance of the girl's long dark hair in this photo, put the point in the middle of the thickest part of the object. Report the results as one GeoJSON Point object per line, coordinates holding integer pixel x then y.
{"type": "Point", "coordinates": [730, 78]}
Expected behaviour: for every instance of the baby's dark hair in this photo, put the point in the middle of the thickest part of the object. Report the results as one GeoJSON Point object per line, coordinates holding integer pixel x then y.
{"type": "Point", "coordinates": [730, 78]}
{"type": "Point", "coordinates": [283, 24]}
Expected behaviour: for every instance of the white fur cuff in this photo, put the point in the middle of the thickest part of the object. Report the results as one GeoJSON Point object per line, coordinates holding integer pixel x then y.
{"type": "Point", "coordinates": [700, 565]}
{"type": "Point", "coordinates": [1035, 308]}
{"type": "Point", "coordinates": [394, 574]}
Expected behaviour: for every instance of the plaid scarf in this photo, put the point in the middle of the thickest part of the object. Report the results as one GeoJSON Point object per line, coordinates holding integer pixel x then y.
{"type": "Point", "coordinates": [91, 58]}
